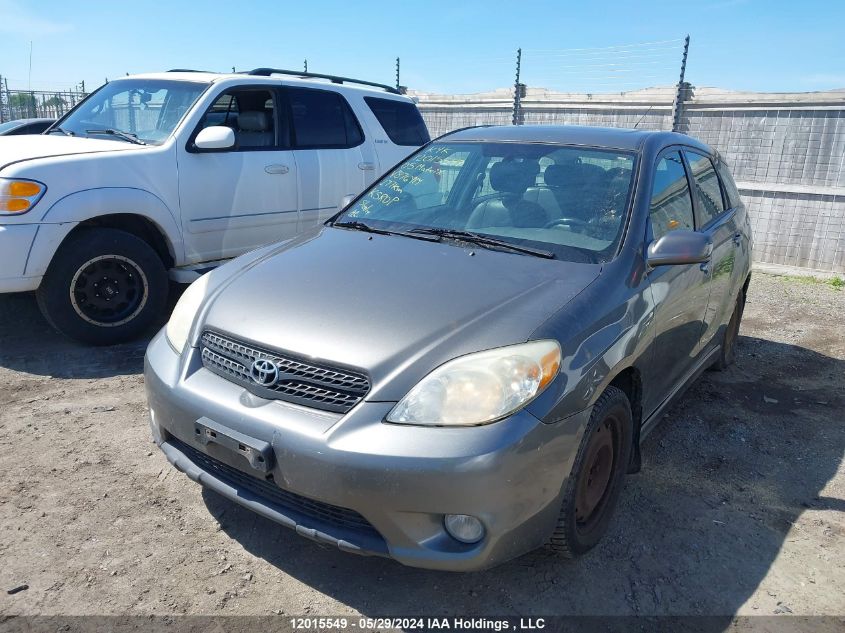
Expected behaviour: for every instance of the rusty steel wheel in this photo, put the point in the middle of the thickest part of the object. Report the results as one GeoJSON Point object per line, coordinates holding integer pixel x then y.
{"type": "Point", "coordinates": [727, 354]}
{"type": "Point", "coordinates": [592, 489]}
{"type": "Point", "coordinates": [592, 486]}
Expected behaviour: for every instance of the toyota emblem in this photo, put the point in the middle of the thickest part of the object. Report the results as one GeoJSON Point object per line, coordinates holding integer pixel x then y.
{"type": "Point", "coordinates": [264, 372]}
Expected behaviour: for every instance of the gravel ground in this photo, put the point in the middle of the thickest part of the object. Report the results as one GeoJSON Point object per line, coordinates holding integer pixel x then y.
{"type": "Point", "coordinates": [740, 508]}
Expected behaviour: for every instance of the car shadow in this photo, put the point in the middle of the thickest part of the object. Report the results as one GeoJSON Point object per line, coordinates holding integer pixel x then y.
{"type": "Point", "coordinates": [29, 344]}
{"type": "Point", "coordinates": [725, 476]}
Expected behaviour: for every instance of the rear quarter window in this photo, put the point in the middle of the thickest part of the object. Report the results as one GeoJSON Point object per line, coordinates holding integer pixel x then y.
{"type": "Point", "coordinates": [401, 120]}
{"type": "Point", "coordinates": [728, 185]}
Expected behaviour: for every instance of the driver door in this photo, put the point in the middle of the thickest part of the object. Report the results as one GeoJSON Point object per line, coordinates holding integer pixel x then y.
{"type": "Point", "coordinates": [680, 293]}
{"type": "Point", "coordinates": [237, 199]}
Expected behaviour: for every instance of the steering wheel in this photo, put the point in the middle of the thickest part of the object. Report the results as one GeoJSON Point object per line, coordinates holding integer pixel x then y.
{"type": "Point", "coordinates": [572, 221]}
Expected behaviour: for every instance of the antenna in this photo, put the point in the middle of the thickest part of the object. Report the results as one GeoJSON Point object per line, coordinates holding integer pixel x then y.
{"type": "Point", "coordinates": [29, 77]}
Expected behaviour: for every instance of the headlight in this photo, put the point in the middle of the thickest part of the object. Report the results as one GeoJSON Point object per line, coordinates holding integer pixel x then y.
{"type": "Point", "coordinates": [19, 196]}
{"type": "Point", "coordinates": [179, 325]}
{"type": "Point", "coordinates": [480, 388]}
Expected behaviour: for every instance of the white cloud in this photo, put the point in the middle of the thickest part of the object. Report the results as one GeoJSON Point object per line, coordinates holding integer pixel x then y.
{"type": "Point", "coordinates": [23, 22]}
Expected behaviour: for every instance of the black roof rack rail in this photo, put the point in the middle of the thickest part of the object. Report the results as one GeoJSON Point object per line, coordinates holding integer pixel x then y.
{"type": "Point", "coordinates": [188, 70]}
{"type": "Point", "coordinates": [266, 72]}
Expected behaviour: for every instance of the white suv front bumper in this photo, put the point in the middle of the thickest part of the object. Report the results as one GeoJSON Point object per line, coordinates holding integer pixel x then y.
{"type": "Point", "coordinates": [15, 247]}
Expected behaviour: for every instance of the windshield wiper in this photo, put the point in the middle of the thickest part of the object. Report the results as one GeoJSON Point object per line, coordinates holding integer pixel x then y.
{"type": "Point", "coordinates": [62, 130]}
{"type": "Point", "coordinates": [126, 136]}
{"type": "Point", "coordinates": [483, 240]}
{"type": "Point", "coordinates": [357, 225]}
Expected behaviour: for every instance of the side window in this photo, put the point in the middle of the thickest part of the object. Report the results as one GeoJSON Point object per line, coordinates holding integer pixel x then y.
{"type": "Point", "coordinates": [251, 114]}
{"type": "Point", "coordinates": [401, 120]}
{"type": "Point", "coordinates": [323, 119]}
{"type": "Point", "coordinates": [732, 198]}
{"type": "Point", "coordinates": [707, 190]}
{"type": "Point", "coordinates": [671, 203]}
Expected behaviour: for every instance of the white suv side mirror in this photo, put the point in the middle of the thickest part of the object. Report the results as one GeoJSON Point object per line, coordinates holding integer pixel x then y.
{"type": "Point", "coordinates": [215, 137]}
{"type": "Point", "coordinates": [345, 201]}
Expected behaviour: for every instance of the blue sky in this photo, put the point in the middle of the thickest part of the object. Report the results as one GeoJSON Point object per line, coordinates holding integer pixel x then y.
{"type": "Point", "coordinates": [452, 46]}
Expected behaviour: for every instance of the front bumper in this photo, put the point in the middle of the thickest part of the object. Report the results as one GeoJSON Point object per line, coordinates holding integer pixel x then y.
{"type": "Point", "coordinates": [15, 245]}
{"type": "Point", "coordinates": [401, 480]}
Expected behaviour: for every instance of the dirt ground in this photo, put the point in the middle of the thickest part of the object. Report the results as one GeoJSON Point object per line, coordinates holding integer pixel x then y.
{"type": "Point", "coordinates": [740, 508]}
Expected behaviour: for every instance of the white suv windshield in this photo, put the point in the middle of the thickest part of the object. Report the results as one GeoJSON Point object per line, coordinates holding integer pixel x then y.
{"type": "Point", "coordinates": [146, 110]}
{"type": "Point", "coordinates": [571, 202]}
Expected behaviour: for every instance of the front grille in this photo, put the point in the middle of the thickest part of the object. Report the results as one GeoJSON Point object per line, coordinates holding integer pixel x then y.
{"type": "Point", "coordinates": [284, 500]}
{"type": "Point", "coordinates": [300, 381]}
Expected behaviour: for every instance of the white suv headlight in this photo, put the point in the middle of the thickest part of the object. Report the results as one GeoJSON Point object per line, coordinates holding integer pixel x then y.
{"type": "Point", "coordinates": [480, 388]}
{"type": "Point", "coordinates": [179, 325]}
{"type": "Point", "coordinates": [18, 195]}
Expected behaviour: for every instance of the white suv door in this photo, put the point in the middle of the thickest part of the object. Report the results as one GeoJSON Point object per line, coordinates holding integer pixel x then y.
{"type": "Point", "coordinates": [332, 157]}
{"type": "Point", "coordinates": [236, 199]}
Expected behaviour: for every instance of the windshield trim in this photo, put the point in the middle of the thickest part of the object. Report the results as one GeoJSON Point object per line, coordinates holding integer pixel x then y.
{"type": "Point", "coordinates": [635, 154]}
{"type": "Point", "coordinates": [207, 84]}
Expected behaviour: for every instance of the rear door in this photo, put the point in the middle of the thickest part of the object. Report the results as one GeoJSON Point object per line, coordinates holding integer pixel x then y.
{"type": "Point", "coordinates": [328, 147]}
{"type": "Point", "coordinates": [679, 292]}
{"type": "Point", "coordinates": [718, 220]}
{"type": "Point", "coordinates": [237, 199]}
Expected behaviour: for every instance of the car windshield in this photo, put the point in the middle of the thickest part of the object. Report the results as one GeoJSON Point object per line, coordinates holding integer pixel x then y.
{"type": "Point", "coordinates": [571, 202]}
{"type": "Point", "coordinates": [147, 110]}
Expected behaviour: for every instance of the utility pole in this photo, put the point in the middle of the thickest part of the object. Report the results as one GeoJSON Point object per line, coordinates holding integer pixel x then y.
{"type": "Point", "coordinates": [29, 77]}
{"type": "Point", "coordinates": [518, 91]}
{"type": "Point", "coordinates": [680, 94]}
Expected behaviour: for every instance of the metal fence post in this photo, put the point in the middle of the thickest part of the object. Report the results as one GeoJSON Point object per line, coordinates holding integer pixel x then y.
{"type": "Point", "coordinates": [680, 94]}
{"type": "Point", "coordinates": [517, 91]}
{"type": "Point", "coordinates": [5, 115]}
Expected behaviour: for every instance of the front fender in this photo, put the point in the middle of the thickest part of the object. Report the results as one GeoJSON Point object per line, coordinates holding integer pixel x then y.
{"type": "Point", "coordinates": [67, 212]}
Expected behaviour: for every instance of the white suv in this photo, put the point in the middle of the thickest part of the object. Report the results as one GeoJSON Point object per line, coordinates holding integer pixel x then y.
{"type": "Point", "coordinates": [174, 172]}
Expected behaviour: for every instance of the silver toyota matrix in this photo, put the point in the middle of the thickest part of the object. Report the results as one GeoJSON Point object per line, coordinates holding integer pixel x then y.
{"type": "Point", "coordinates": [461, 365]}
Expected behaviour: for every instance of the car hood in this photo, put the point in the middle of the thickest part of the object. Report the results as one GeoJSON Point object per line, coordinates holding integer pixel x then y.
{"type": "Point", "coordinates": [393, 306]}
{"type": "Point", "coordinates": [14, 149]}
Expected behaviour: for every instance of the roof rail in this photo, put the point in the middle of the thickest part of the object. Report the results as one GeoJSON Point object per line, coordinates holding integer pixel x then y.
{"type": "Point", "coordinates": [266, 72]}
{"type": "Point", "coordinates": [188, 70]}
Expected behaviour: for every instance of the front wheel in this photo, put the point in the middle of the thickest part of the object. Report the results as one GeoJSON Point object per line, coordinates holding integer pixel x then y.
{"type": "Point", "coordinates": [104, 286]}
{"type": "Point", "coordinates": [592, 489]}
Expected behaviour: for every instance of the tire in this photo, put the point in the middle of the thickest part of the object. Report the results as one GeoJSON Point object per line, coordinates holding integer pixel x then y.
{"type": "Point", "coordinates": [727, 351]}
{"type": "Point", "coordinates": [103, 286]}
{"type": "Point", "coordinates": [605, 449]}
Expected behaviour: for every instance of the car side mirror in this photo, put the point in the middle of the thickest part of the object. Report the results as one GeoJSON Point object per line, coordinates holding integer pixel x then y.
{"type": "Point", "coordinates": [680, 247]}
{"type": "Point", "coordinates": [215, 137]}
{"type": "Point", "coordinates": [345, 201]}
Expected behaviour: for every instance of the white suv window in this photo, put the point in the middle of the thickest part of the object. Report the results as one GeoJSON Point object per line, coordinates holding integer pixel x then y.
{"type": "Point", "coordinates": [323, 119]}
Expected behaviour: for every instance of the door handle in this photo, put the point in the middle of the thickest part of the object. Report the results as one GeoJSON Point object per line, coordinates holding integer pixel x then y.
{"type": "Point", "coordinates": [366, 166]}
{"type": "Point", "coordinates": [276, 169]}
{"type": "Point", "coordinates": [737, 239]}
{"type": "Point", "coordinates": [705, 267]}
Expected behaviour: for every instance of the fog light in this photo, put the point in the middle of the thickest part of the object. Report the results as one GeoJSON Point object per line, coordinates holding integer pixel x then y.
{"type": "Point", "coordinates": [465, 528]}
